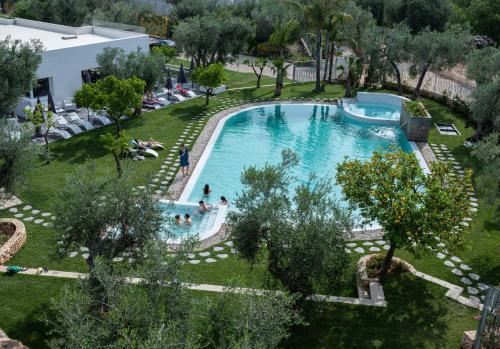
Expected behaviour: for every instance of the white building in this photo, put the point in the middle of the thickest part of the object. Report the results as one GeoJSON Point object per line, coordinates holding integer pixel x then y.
{"type": "Point", "coordinates": [68, 52]}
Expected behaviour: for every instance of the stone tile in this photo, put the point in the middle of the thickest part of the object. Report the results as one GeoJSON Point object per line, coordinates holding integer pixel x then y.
{"type": "Point", "coordinates": [466, 281]}
{"type": "Point", "coordinates": [223, 255]}
{"type": "Point", "coordinates": [13, 210]}
{"type": "Point", "coordinates": [35, 211]}
{"type": "Point", "coordinates": [347, 250]}
{"type": "Point", "coordinates": [457, 272]}
{"type": "Point", "coordinates": [482, 286]}
{"type": "Point", "coordinates": [28, 219]}
{"type": "Point", "coordinates": [233, 251]}
{"type": "Point", "coordinates": [359, 250]}
{"type": "Point", "coordinates": [85, 255]}
{"type": "Point", "coordinates": [386, 247]}
{"type": "Point", "coordinates": [84, 249]}
{"type": "Point", "coordinates": [456, 259]}
{"type": "Point", "coordinates": [475, 299]}
{"type": "Point", "coordinates": [368, 243]}
{"type": "Point", "coordinates": [374, 249]}
{"type": "Point", "coordinates": [72, 254]}
{"type": "Point", "coordinates": [46, 214]}
{"type": "Point", "coordinates": [194, 261]}
{"type": "Point", "coordinates": [46, 224]}
{"type": "Point", "coordinates": [474, 276]}
{"type": "Point", "coordinates": [440, 255]}
{"type": "Point", "coordinates": [351, 244]}
{"type": "Point", "coordinates": [440, 244]}
{"type": "Point", "coordinates": [27, 208]}
{"type": "Point", "coordinates": [210, 260]}
{"type": "Point", "coordinates": [228, 243]}
{"type": "Point", "coordinates": [191, 255]}
{"type": "Point", "coordinates": [380, 242]}
{"type": "Point", "coordinates": [474, 204]}
{"type": "Point", "coordinates": [449, 264]}
{"type": "Point", "coordinates": [218, 248]}
{"type": "Point", "coordinates": [204, 254]}
{"type": "Point", "coordinates": [19, 215]}
{"type": "Point", "coordinates": [38, 221]}
{"type": "Point", "coordinates": [472, 290]}
{"type": "Point", "coordinates": [465, 267]}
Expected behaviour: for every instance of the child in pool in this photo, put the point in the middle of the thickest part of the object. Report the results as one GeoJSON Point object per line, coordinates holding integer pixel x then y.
{"type": "Point", "coordinates": [178, 219]}
{"type": "Point", "coordinates": [203, 207]}
{"type": "Point", "coordinates": [223, 201]}
{"type": "Point", "coordinates": [187, 219]}
{"type": "Point", "coordinates": [206, 190]}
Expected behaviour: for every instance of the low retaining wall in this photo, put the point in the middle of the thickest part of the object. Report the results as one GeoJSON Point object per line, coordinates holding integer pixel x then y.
{"type": "Point", "coordinates": [17, 232]}
{"type": "Point", "coordinates": [7, 343]}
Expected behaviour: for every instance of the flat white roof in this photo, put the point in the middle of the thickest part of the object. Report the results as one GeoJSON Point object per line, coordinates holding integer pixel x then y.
{"type": "Point", "coordinates": [51, 35]}
{"type": "Point", "coordinates": [50, 40]}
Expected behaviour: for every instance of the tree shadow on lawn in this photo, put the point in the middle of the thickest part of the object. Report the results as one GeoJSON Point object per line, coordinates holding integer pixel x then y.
{"type": "Point", "coordinates": [414, 318]}
{"type": "Point", "coordinates": [33, 330]}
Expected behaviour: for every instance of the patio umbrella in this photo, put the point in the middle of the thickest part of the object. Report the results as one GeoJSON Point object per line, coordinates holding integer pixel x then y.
{"type": "Point", "coordinates": [192, 66]}
{"type": "Point", "coordinates": [181, 79]}
{"type": "Point", "coordinates": [50, 101]}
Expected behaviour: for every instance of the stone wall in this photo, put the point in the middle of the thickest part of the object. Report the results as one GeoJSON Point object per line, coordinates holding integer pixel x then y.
{"type": "Point", "coordinates": [7, 343]}
{"type": "Point", "coordinates": [17, 232]}
{"type": "Point", "coordinates": [415, 128]}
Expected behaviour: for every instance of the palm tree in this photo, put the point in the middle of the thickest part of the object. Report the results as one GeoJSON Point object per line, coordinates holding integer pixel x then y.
{"type": "Point", "coordinates": [279, 68]}
{"type": "Point", "coordinates": [351, 72]}
{"type": "Point", "coordinates": [315, 15]}
{"type": "Point", "coordinates": [331, 27]}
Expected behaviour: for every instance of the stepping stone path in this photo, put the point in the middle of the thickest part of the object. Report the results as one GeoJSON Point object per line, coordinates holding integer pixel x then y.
{"type": "Point", "coordinates": [218, 248]}
{"type": "Point", "coordinates": [472, 290]}
{"type": "Point", "coordinates": [27, 207]}
{"type": "Point", "coordinates": [117, 259]}
{"type": "Point", "coordinates": [223, 255]}
{"type": "Point", "coordinates": [374, 249]}
{"type": "Point", "coordinates": [456, 259]}
{"type": "Point", "coordinates": [466, 281]}
{"type": "Point", "coordinates": [380, 242]}
{"type": "Point", "coordinates": [440, 255]}
{"type": "Point", "coordinates": [210, 260]}
{"type": "Point", "coordinates": [368, 243]}
{"type": "Point", "coordinates": [359, 250]}
{"type": "Point", "coordinates": [449, 263]}
{"type": "Point", "coordinates": [204, 254]}
{"type": "Point", "coordinates": [228, 243]}
{"type": "Point", "coordinates": [457, 272]}
{"type": "Point", "coordinates": [85, 255]}
{"type": "Point", "coordinates": [72, 254]}
{"type": "Point", "coordinates": [474, 276]}
{"type": "Point", "coordinates": [351, 244]}
{"type": "Point", "coordinates": [28, 219]}
{"type": "Point", "coordinates": [194, 261]}
{"type": "Point", "coordinates": [38, 221]}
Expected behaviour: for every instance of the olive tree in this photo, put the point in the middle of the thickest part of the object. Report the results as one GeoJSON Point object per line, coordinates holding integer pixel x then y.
{"type": "Point", "coordinates": [437, 50]}
{"type": "Point", "coordinates": [107, 216]}
{"type": "Point", "coordinates": [416, 210]}
{"type": "Point", "coordinates": [303, 233]}
{"type": "Point", "coordinates": [19, 63]}
{"type": "Point", "coordinates": [42, 122]}
{"type": "Point", "coordinates": [258, 65]}
{"type": "Point", "coordinates": [487, 151]}
{"type": "Point", "coordinates": [17, 153]}
{"type": "Point", "coordinates": [157, 311]}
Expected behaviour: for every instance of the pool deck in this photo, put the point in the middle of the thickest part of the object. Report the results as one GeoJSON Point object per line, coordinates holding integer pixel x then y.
{"type": "Point", "coordinates": [179, 183]}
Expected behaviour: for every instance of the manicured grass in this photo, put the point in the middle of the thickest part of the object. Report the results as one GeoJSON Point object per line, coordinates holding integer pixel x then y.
{"type": "Point", "coordinates": [417, 316]}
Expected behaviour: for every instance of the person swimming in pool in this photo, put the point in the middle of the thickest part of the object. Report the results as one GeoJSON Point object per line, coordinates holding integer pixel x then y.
{"type": "Point", "coordinates": [223, 201]}
{"type": "Point", "coordinates": [187, 219]}
{"type": "Point", "coordinates": [178, 219]}
{"type": "Point", "coordinates": [206, 190]}
{"type": "Point", "coordinates": [203, 207]}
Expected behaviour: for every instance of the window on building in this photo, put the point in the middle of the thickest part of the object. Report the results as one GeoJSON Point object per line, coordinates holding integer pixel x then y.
{"type": "Point", "coordinates": [41, 88]}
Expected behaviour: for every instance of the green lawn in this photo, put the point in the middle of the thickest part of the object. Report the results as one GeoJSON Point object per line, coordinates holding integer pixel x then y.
{"type": "Point", "coordinates": [424, 318]}
{"type": "Point", "coordinates": [417, 316]}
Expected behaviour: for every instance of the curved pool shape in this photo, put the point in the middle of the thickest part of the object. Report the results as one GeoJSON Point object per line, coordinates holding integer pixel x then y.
{"type": "Point", "coordinates": [320, 135]}
{"type": "Point", "coordinates": [203, 224]}
{"type": "Point", "coordinates": [376, 110]}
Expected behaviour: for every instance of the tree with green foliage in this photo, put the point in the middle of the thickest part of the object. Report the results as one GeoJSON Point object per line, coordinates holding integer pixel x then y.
{"type": "Point", "coordinates": [487, 151]}
{"type": "Point", "coordinates": [385, 49]}
{"type": "Point", "coordinates": [158, 311]}
{"type": "Point", "coordinates": [210, 77]}
{"type": "Point", "coordinates": [351, 32]}
{"type": "Point", "coordinates": [483, 66]}
{"type": "Point", "coordinates": [65, 12]}
{"type": "Point", "coordinates": [285, 34]}
{"type": "Point", "coordinates": [416, 210]}
{"type": "Point", "coordinates": [279, 67]}
{"type": "Point", "coordinates": [213, 37]}
{"type": "Point", "coordinates": [43, 123]}
{"type": "Point", "coordinates": [115, 97]}
{"type": "Point", "coordinates": [484, 17]}
{"type": "Point", "coordinates": [149, 67]}
{"type": "Point", "coordinates": [333, 22]}
{"type": "Point", "coordinates": [16, 155]}
{"type": "Point", "coordinates": [84, 97]}
{"type": "Point", "coordinates": [20, 62]}
{"type": "Point", "coordinates": [258, 65]}
{"type": "Point", "coordinates": [302, 235]}
{"type": "Point", "coordinates": [107, 216]}
{"type": "Point", "coordinates": [352, 73]}
{"type": "Point", "coordinates": [116, 146]}
{"type": "Point", "coordinates": [167, 52]}
{"type": "Point", "coordinates": [437, 51]}
{"type": "Point", "coordinates": [418, 14]}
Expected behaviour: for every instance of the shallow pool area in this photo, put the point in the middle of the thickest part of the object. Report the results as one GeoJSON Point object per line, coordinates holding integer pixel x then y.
{"type": "Point", "coordinates": [376, 110]}
{"type": "Point", "coordinates": [202, 225]}
{"type": "Point", "coordinates": [321, 135]}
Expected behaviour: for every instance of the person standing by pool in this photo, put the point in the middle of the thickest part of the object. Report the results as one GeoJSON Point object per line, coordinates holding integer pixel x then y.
{"type": "Point", "coordinates": [184, 159]}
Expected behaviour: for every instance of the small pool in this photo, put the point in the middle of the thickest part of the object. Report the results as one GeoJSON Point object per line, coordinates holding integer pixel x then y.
{"type": "Point", "coordinates": [376, 110]}
{"type": "Point", "coordinates": [203, 224]}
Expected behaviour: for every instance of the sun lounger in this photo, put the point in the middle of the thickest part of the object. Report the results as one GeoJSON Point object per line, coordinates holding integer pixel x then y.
{"type": "Point", "coordinates": [100, 119]}
{"type": "Point", "coordinates": [59, 133]}
{"type": "Point", "coordinates": [178, 97]}
{"type": "Point", "coordinates": [143, 152]}
{"type": "Point", "coordinates": [62, 123]}
{"type": "Point", "coordinates": [163, 101]}
{"type": "Point", "coordinates": [75, 119]}
{"type": "Point", "coordinates": [190, 93]}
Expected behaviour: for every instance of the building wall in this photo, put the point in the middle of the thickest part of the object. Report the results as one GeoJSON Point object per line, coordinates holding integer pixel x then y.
{"type": "Point", "coordinates": [65, 65]}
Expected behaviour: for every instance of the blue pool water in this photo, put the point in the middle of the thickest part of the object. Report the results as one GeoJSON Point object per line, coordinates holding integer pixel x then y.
{"type": "Point", "coordinates": [200, 222]}
{"type": "Point", "coordinates": [319, 134]}
{"type": "Point", "coordinates": [376, 110]}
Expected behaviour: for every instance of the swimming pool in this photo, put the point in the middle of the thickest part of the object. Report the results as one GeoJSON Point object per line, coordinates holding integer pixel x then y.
{"type": "Point", "coordinates": [376, 110]}
{"type": "Point", "coordinates": [202, 226]}
{"type": "Point", "coordinates": [321, 136]}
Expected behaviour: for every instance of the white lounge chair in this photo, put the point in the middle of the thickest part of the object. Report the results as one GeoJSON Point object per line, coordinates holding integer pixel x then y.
{"type": "Point", "coordinates": [59, 133]}
{"type": "Point", "coordinates": [100, 119]}
{"type": "Point", "coordinates": [62, 123]}
{"type": "Point", "coordinates": [190, 93]}
{"type": "Point", "coordinates": [75, 119]}
{"type": "Point", "coordinates": [163, 101]}
{"type": "Point", "coordinates": [143, 152]}
{"type": "Point", "coordinates": [179, 97]}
